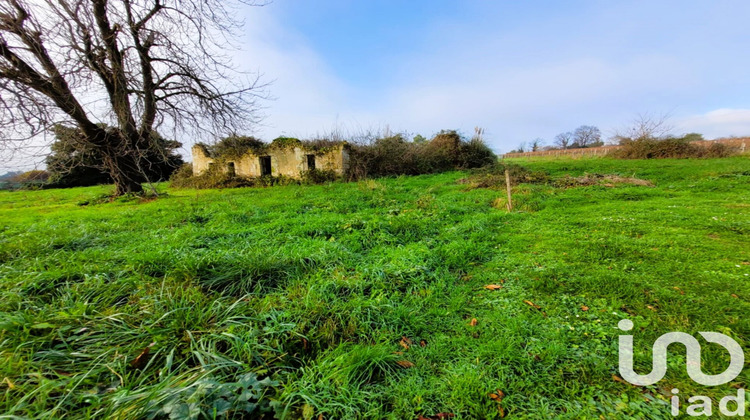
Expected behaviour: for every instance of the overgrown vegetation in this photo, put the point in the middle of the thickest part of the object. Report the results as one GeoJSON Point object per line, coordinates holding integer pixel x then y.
{"type": "Point", "coordinates": [392, 298]}
{"type": "Point", "coordinates": [216, 178]}
{"type": "Point", "coordinates": [74, 162]}
{"type": "Point", "coordinates": [368, 157]}
{"type": "Point", "coordinates": [493, 177]}
{"type": "Point", "coordinates": [395, 155]}
{"type": "Point", "coordinates": [33, 179]}
{"type": "Point", "coordinates": [670, 147]}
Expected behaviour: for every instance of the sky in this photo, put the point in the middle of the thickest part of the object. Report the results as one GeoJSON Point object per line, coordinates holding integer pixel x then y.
{"type": "Point", "coordinates": [520, 70]}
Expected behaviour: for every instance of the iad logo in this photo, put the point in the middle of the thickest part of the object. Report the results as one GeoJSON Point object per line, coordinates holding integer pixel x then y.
{"type": "Point", "coordinates": [693, 365]}
{"type": "Point", "coordinates": [693, 350]}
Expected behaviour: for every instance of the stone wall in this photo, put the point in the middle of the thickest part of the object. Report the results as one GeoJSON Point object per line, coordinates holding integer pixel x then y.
{"type": "Point", "coordinates": [201, 159]}
{"type": "Point", "coordinates": [288, 161]}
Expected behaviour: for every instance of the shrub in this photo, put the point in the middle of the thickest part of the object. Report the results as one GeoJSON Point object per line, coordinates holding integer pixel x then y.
{"type": "Point", "coordinates": [394, 155]}
{"type": "Point", "coordinates": [718, 150]}
{"type": "Point", "coordinates": [212, 178]}
{"type": "Point", "coordinates": [670, 147]}
{"type": "Point", "coordinates": [74, 164]}
{"type": "Point", "coordinates": [31, 177]}
{"type": "Point", "coordinates": [442, 152]}
{"type": "Point", "coordinates": [235, 146]}
{"type": "Point", "coordinates": [318, 176]}
{"type": "Point", "coordinates": [284, 142]}
{"type": "Point", "coordinates": [475, 154]}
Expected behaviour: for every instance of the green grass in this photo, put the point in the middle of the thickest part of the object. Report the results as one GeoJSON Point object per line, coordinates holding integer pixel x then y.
{"type": "Point", "coordinates": [292, 300]}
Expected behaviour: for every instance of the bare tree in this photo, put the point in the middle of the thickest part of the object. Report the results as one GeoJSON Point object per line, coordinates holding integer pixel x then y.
{"type": "Point", "coordinates": [117, 70]}
{"type": "Point", "coordinates": [563, 140]}
{"type": "Point", "coordinates": [645, 127]}
{"type": "Point", "coordinates": [520, 149]}
{"type": "Point", "coordinates": [587, 136]}
{"type": "Point", "coordinates": [536, 144]}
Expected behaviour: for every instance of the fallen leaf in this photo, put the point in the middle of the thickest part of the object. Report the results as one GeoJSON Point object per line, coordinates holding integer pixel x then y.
{"type": "Point", "coordinates": [501, 410]}
{"type": "Point", "coordinates": [651, 307]}
{"type": "Point", "coordinates": [498, 395]}
{"type": "Point", "coordinates": [584, 308]}
{"type": "Point", "coordinates": [493, 286]}
{"type": "Point", "coordinates": [422, 343]}
{"type": "Point", "coordinates": [10, 384]}
{"type": "Point", "coordinates": [320, 417]}
{"type": "Point", "coordinates": [405, 342]}
{"type": "Point", "coordinates": [745, 263]}
{"type": "Point", "coordinates": [405, 364]}
{"type": "Point", "coordinates": [532, 304]}
{"type": "Point", "coordinates": [735, 296]}
{"type": "Point", "coordinates": [620, 380]}
{"type": "Point", "coordinates": [140, 361]}
{"type": "Point", "coordinates": [679, 290]}
{"type": "Point", "coordinates": [473, 322]}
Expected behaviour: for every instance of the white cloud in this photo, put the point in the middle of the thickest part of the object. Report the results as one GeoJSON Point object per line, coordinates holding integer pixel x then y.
{"type": "Point", "coordinates": [307, 97]}
{"type": "Point", "coordinates": [722, 122]}
{"type": "Point", "coordinates": [520, 103]}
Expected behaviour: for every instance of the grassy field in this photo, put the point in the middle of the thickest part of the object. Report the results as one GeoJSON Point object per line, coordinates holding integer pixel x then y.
{"type": "Point", "coordinates": [368, 300]}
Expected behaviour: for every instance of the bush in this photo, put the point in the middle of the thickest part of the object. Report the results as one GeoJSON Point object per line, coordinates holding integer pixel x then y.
{"type": "Point", "coordinates": [719, 150]}
{"type": "Point", "coordinates": [212, 178]}
{"type": "Point", "coordinates": [395, 155]}
{"type": "Point", "coordinates": [670, 147]}
{"type": "Point", "coordinates": [30, 180]}
{"type": "Point", "coordinates": [31, 177]}
{"type": "Point", "coordinates": [215, 178]}
{"type": "Point", "coordinates": [235, 146]}
{"type": "Point", "coordinates": [476, 154]}
{"type": "Point", "coordinates": [318, 176]}
{"type": "Point", "coordinates": [74, 163]}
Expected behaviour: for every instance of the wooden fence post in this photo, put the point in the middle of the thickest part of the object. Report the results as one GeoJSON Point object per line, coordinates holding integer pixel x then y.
{"type": "Point", "coordinates": [509, 205]}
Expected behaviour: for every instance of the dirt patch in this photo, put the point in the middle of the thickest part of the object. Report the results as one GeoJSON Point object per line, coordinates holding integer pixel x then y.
{"type": "Point", "coordinates": [588, 180]}
{"type": "Point", "coordinates": [494, 179]}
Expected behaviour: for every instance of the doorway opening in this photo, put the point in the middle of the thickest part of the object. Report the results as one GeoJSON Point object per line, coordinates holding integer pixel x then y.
{"type": "Point", "coordinates": [310, 162]}
{"type": "Point", "coordinates": [265, 165]}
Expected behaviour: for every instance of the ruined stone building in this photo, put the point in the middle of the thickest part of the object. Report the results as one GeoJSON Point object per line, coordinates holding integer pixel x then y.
{"type": "Point", "coordinates": [287, 160]}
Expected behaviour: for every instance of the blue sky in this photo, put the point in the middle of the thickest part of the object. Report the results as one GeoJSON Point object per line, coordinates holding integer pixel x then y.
{"type": "Point", "coordinates": [521, 70]}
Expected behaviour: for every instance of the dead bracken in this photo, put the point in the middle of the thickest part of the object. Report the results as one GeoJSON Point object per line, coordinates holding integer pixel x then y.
{"type": "Point", "coordinates": [599, 179]}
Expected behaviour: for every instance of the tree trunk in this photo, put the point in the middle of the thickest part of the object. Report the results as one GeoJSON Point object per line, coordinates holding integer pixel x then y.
{"type": "Point", "coordinates": [126, 186]}
{"type": "Point", "coordinates": [124, 173]}
{"type": "Point", "coordinates": [124, 182]}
